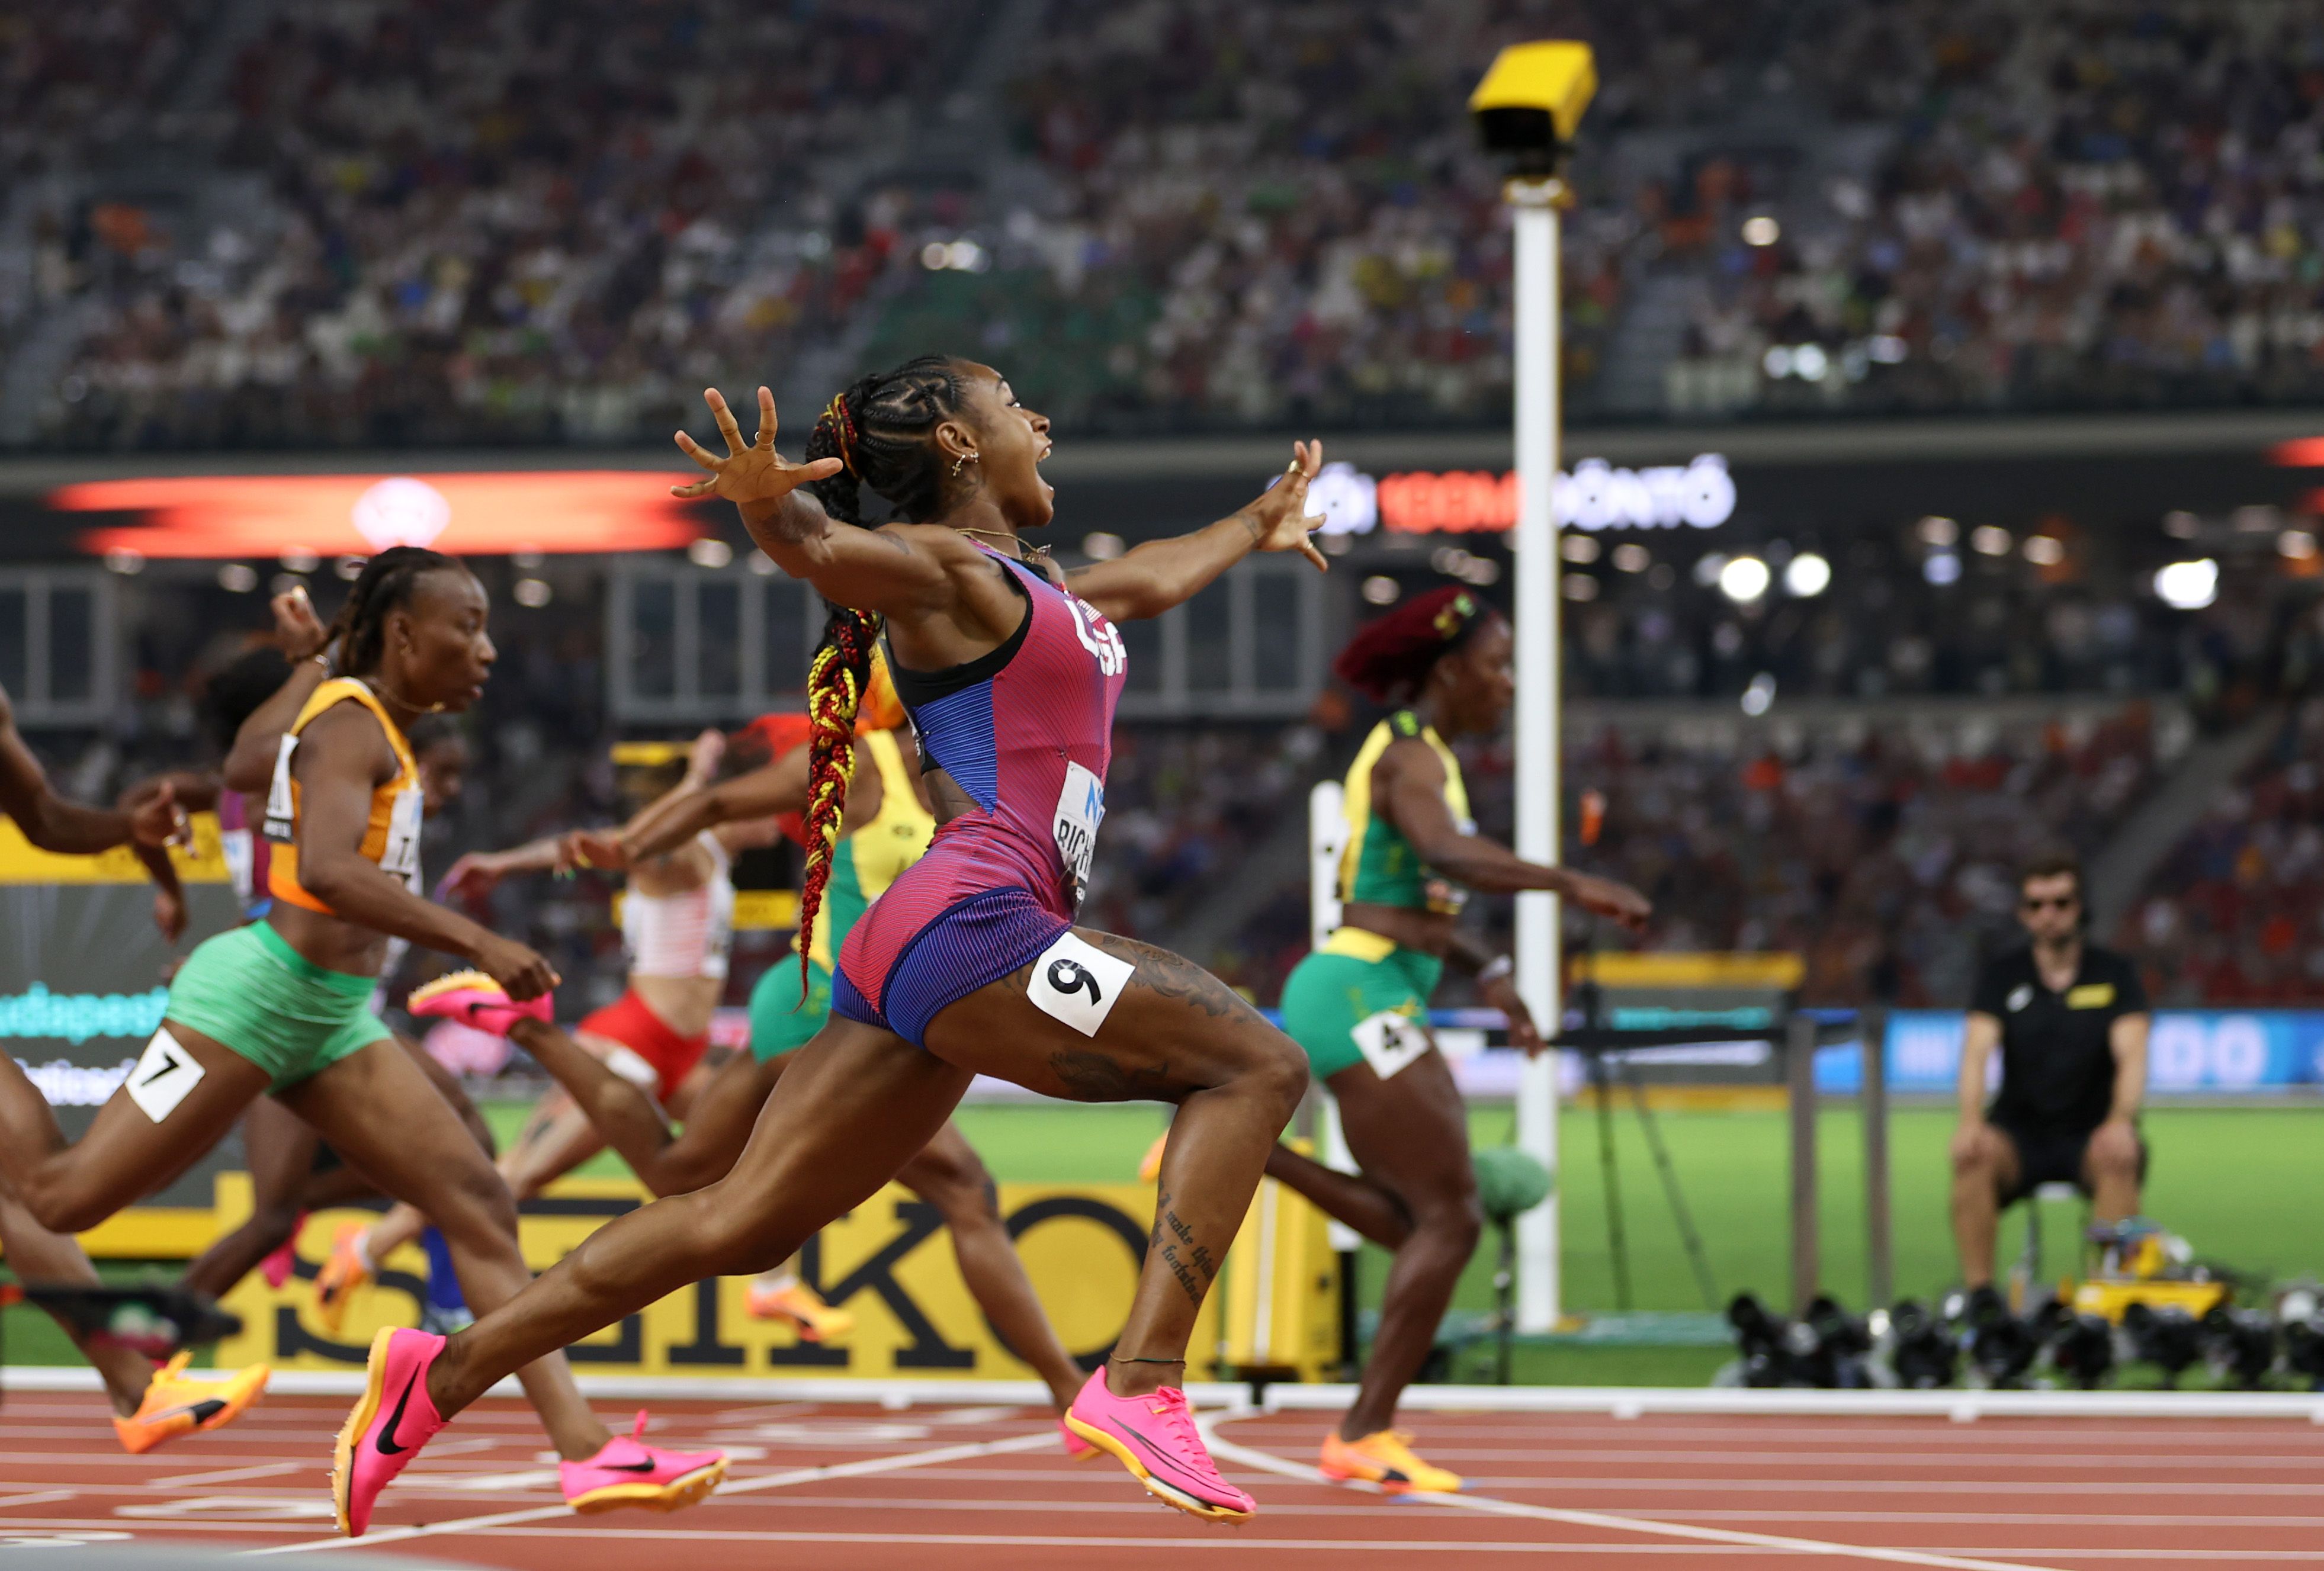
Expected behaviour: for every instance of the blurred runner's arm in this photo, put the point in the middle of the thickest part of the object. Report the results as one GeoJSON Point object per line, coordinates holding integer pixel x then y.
{"type": "Point", "coordinates": [1496, 988]}
{"type": "Point", "coordinates": [677, 817]}
{"type": "Point", "coordinates": [67, 828]}
{"type": "Point", "coordinates": [250, 763]}
{"type": "Point", "coordinates": [1410, 778]}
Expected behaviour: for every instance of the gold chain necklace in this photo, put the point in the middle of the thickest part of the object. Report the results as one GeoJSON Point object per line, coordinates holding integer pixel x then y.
{"type": "Point", "coordinates": [1031, 556]}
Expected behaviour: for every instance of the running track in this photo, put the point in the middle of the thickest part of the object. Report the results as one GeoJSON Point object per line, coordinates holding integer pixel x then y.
{"type": "Point", "coordinates": [966, 1488]}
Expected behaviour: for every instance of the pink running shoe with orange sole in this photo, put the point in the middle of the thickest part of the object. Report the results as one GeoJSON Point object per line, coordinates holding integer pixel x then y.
{"type": "Point", "coordinates": [476, 1000]}
{"type": "Point", "coordinates": [392, 1419]}
{"type": "Point", "coordinates": [627, 1472]}
{"type": "Point", "coordinates": [1154, 1435]}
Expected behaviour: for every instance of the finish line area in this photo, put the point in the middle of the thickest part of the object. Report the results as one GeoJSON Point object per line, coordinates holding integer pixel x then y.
{"type": "Point", "coordinates": [853, 1479]}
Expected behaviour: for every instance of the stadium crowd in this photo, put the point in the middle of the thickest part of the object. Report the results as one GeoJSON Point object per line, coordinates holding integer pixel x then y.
{"type": "Point", "coordinates": [500, 222]}
{"type": "Point", "coordinates": [1218, 214]}
{"type": "Point", "coordinates": [2082, 205]}
{"type": "Point", "coordinates": [2231, 916]}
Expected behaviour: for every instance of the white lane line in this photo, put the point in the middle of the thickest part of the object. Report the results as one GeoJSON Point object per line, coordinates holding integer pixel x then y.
{"type": "Point", "coordinates": [39, 1497]}
{"type": "Point", "coordinates": [869, 1466]}
{"type": "Point", "coordinates": [497, 1483]}
{"type": "Point", "coordinates": [2017, 1465]}
{"type": "Point", "coordinates": [1386, 1546]}
{"type": "Point", "coordinates": [1268, 1462]}
{"type": "Point", "coordinates": [228, 1475]}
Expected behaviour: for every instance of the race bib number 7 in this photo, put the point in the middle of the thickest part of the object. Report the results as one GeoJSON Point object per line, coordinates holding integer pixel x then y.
{"type": "Point", "coordinates": [401, 855]}
{"type": "Point", "coordinates": [1080, 806]}
{"type": "Point", "coordinates": [163, 1076]}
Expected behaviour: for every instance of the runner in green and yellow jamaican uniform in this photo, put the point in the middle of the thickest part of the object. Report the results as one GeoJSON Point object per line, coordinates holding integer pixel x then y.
{"type": "Point", "coordinates": [886, 826]}
{"type": "Point", "coordinates": [1358, 1004]}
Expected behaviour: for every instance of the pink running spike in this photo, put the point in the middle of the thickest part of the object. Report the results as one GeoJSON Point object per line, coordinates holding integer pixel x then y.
{"type": "Point", "coordinates": [1154, 1435]}
{"type": "Point", "coordinates": [394, 1418]}
{"type": "Point", "coordinates": [627, 1472]}
{"type": "Point", "coordinates": [475, 999]}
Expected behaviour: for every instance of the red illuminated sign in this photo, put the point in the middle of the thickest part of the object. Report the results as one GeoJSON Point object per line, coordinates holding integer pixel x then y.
{"type": "Point", "coordinates": [1595, 496]}
{"type": "Point", "coordinates": [1459, 502]}
{"type": "Point", "coordinates": [357, 515]}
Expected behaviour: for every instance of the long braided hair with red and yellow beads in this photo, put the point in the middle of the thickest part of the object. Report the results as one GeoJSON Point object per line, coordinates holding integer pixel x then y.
{"type": "Point", "coordinates": [881, 430]}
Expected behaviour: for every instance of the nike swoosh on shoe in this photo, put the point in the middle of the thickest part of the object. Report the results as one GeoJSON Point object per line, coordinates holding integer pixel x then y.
{"type": "Point", "coordinates": [1159, 1454]}
{"type": "Point", "coordinates": [386, 1444]}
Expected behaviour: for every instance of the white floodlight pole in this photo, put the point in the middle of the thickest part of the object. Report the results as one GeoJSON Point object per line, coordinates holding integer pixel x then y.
{"type": "Point", "coordinates": [1533, 205]}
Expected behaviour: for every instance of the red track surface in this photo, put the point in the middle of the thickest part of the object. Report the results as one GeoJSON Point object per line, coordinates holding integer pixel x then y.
{"type": "Point", "coordinates": [965, 1488]}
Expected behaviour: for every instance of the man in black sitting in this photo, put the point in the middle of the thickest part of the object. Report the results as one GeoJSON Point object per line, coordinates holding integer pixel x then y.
{"type": "Point", "coordinates": [2070, 1021]}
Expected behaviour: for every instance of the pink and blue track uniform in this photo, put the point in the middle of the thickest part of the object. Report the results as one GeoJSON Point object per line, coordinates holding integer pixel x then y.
{"type": "Point", "coordinates": [1027, 731]}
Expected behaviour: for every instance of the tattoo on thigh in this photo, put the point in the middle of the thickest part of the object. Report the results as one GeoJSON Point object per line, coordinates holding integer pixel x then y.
{"type": "Point", "coordinates": [1093, 1076]}
{"type": "Point", "coordinates": [1175, 976]}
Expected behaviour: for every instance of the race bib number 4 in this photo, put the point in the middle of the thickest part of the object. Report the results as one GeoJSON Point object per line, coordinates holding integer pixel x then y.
{"type": "Point", "coordinates": [163, 1077]}
{"type": "Point", "coordinates": [1080, 806]}
{"type": "Point", "coordinates": [1391, 1041]}
{"type": "Point", "coordinates": [1078, 983]}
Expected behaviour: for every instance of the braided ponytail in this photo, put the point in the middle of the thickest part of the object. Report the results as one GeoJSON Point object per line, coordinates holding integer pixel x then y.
{"type": "Point", "coordinates": [835, 682]}
{"type": "Point", "coordinates": [881, 430]}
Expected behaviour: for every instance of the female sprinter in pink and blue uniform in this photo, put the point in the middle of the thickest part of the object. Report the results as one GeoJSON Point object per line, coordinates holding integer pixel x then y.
{"type": "Point", "coordinates": [970, 962]}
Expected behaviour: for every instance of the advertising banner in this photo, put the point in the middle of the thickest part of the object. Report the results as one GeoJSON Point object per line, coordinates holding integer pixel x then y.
{"type": "Point", "coordinates": [2190, 1051]}
{"type": "Point", "coordinates": [889, 1261]}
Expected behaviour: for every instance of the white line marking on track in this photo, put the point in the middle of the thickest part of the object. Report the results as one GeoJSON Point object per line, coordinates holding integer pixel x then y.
{"type": "Point", "coordinates": [494, 1483]}
{"type": "Point", "coordinates": [1270, 1462]}
{"type": "Point", "coordinates": [42, 1497]}
{"type": "Point", "coordinates": [227, 1475]}
{"type": "Point", "coordinates": [872, 1465]}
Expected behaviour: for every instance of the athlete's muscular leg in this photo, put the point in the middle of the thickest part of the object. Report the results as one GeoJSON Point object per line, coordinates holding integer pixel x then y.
{"type": "Point", "coordinates": [1349, 1199]}
{"type": "Point", "coordinates": [379, 1111]}
{"type": "Point", "coordinates": [557, 1138]}
{"type": "Point", "coordinates": [948, 1174]}
{"type": "Point", "coordinates": [38, 1255]}
{"type": "Point", "coordinates": [448, 1083]}
{"type": "Point", "coordinates": [281, 1151]}
{"type": "Point", "coordinates": [70, 1188]}
{"type": "Point", "coordinates": [1176, 1033]}
{"type": "Point", "coordinates": [1410, 1135]}
{"type": "Point", "coordinates": [851, 1107]}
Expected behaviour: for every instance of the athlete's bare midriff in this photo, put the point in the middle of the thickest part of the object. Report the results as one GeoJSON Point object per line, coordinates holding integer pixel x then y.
{"type": "Point", "coordinates": [1429, 932]}
{"type": "Point", "coordinates": [332, 942]}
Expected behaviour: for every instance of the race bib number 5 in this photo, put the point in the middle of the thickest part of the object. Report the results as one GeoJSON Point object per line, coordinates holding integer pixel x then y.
{"type": "Point", "coordinates": [1078, 983]}
{"type": "Point", "coordinates": [1080, 806]}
